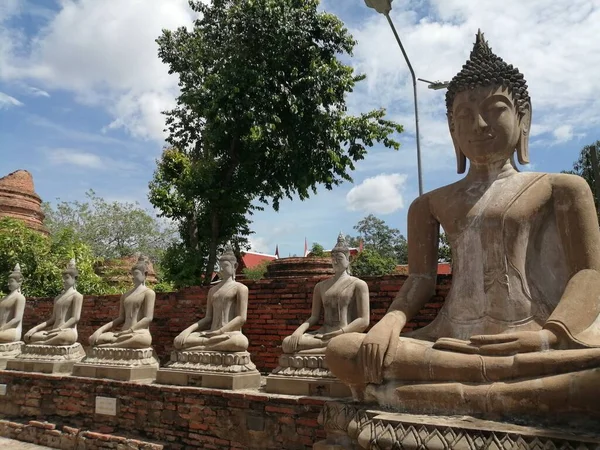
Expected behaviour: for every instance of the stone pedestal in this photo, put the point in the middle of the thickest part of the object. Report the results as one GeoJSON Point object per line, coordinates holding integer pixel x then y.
{"type": "Point", "coordinates": [305, 374]}
{"type": "Point", "coordinates": [9, 351]}
{"type": "Point", "coordinates": [350, 426]}
{"type": "Point", "coordinates": [210, 369]}
{"type": "Point", "coordinates": [52, 359]}
{"type": "Point", "coordinates": [123, 364]}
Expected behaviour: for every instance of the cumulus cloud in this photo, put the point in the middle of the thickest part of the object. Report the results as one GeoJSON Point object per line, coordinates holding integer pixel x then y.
{"type": "Point", "coordinates": [563, 133]}
{"type": "Point", "coordinates": [260, 245]}
{"type": "Point", "coordinates": [105, 53]}
{"type": "Point", "coordinates": [84, 160]}
{"type": "Point", "coordinates": [36, 92]}
{"type": "Point", "coordinates": [381, 194]}
{"type": "Point", "coordinates": [6, 101]}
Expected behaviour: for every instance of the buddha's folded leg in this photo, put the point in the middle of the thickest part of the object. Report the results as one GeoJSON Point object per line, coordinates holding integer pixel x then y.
{"type": "Point", "coordinates": [105, 338]}
{"type": "Point", "coordinates": [306, 342]}
{"type": "Point", "coordinates": [10, 335]}
{"type": "Point", "coordinates": [575, 392]}
{"type": "Point", "coordinates": [63, 337]}
{"type": "Point", "coordinates": [140, 339]}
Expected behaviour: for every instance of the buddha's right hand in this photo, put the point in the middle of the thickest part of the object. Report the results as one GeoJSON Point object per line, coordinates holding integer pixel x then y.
{"type": "Point", "coordinates": [295, 340]}
{"type": "Point", "coordinates": [180, 340]}
{"type": "Point", "coordinates": [373, 349]}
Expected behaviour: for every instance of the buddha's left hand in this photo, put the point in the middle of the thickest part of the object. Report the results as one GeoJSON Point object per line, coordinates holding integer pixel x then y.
{"type": "Point", "coordinates": [331, 334]}
{"type": "Point", "coordinates": [504, 344]}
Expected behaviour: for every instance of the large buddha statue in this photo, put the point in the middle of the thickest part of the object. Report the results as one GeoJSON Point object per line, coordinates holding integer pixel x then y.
{"type": "Point", "coordinates": [519, 331]}
{"type": "Point", "coordinates": [12, 308]}
{"type": "Point", "coordinates": [226, 311]}
{"type": "Point", "coordinates": [131, 329]}
{"type": "Point", "coordinates": [344, 300]}
{"type": "Point", "coordinates": [61, 328]}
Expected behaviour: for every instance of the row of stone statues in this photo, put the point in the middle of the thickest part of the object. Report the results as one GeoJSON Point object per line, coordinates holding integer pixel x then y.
{"type": "Point", "coordinates": [519, 331]}
{"type": "Point", "coordinates": [122, 348]}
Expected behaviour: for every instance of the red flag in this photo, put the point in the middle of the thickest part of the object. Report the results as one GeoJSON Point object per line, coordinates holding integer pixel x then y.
{"type": "Point", "coordinates": [277, 252]}
{"type": "Point", "coordinates": [305, 248]}
{"type": "Point", "coordinates": [360, 246]}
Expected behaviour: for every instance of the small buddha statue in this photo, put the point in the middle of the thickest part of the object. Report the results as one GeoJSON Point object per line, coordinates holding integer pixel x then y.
{"type": "Point", "coordinates": [132, 328]}
{"type": "Point", "coordinates": [12, 308]}
{"type": "Point", "coordinates": [61, 328]}
{"type": "Point", "coordinates": [519, 331]}
{"type": "Point", "coordinates": [344, 300]}
{"type": "Point", "coordinates": [226, 311]}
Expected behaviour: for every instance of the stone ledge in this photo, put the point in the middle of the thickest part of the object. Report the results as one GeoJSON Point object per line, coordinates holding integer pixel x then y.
{"type": "Point", "coordinates": [211, 361]}
{"type": "Point", "coordinates": [350, 426]}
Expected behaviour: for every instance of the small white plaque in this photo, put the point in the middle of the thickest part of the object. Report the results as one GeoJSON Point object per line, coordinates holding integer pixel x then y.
{"type": "Point", "coordinates": [2, 389]}
{"type": "Point", "coordinates": [106, 406]}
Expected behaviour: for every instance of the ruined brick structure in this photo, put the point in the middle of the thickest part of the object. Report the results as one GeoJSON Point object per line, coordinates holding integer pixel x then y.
{"type": "Point", "coordinates": [19, 200]}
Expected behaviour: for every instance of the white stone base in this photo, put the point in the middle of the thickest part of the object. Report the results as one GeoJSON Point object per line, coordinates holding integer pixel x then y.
{"type": "Point", "coordinates": [123, 364]}
{"type": "Point", "coordinates": [222, 370]}
{"type": "Point", "coordinates": [8, 351]}
{"type": "Point", "coordinates": [52, 359]}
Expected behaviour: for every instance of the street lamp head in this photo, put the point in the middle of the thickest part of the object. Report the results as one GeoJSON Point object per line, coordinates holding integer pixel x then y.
{"type": "Point", "coordinates": [381, 6]}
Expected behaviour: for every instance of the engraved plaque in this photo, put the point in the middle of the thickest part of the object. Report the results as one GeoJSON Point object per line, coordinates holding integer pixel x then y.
{"type": "Point", "coordinates": [2, 389]}
{"type": "Point", "coordinates": [195, 380]}
{"type": "Point", "coordinates": [106, 406]}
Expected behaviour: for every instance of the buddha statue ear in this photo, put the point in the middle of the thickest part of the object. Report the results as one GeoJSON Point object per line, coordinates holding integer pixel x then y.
{"type": "Point", "coordinates": [461, 159]}
{"type": "Point", "coordinates": [524, 128]}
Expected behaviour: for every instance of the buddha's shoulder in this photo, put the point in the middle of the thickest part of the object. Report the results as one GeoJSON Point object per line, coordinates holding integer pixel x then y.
{"type": "Point", "coordinates": [567, 183]}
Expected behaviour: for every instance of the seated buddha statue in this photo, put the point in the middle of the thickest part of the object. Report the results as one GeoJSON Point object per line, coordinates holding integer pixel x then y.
{"type": "Point", "coordinates": [61, 327]}
{"type": "Point", "coordinates": [344, 300]}
{"type": "Point", "coordinates": [12, 308]}
{"type": "Point", "coordinates": [519, 331]}
{"type": "Point", "coordinates": [226, 310]}
{"type": "Point", "coordinates": [131, 329]}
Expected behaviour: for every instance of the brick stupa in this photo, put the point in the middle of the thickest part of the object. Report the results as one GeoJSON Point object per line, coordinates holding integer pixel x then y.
{"type": "Point", "coordinates": [19, 200]}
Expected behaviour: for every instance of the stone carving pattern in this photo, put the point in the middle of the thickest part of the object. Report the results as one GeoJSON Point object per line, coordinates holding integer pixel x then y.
{"type": "Point", "coordinates": [126, 357]}
{"type": "Point", "coordinates": [10, 349]}
{"type": "Point", "coordinates": [51, 352]}
{"type": "Point", "coordinates": [211, 361]}
{"type": "Point", "coordinates": [303, 365]}
{"type": "Point", "coordinates": [370, 433]}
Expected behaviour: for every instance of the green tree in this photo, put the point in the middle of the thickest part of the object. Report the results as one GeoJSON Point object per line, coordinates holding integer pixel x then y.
{"type": "Point", "coordinates": [444, 250]}
{"type": "Point", "coordinates": [317, 250]}
{"type": "Point", "coordinates": [584, 167]}
{"type": "Point", "coordinates": [111, 229]}
{"type": "Point", "coordinates": [257, 272]}
{"type": "Point", "coordinates": [370, 262]}
{"type": "Point", "coordinates": [261, 115]}
{"type": "Point", "coordinates": [379, 237]}
{"type": "Point", "coordinates": [43, 258]}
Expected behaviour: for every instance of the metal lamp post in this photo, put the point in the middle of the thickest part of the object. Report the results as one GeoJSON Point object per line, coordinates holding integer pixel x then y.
{"type": "Point", "coordinates": [384, 7]}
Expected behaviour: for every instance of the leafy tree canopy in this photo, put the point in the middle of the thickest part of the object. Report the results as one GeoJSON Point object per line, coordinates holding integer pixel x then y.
{"type": "Point", "coordinates": [110, 229]}
{"type": "Point", "coordinates": [381, 238]}
{"type": "Point", "coordinates": [42, 260]}
{"type": "Point", "coordinates": [262, 115]}
{"type": "Point", "coordinates": [584, 167]}
{"type": "Point", "coordinates": [370, 262]}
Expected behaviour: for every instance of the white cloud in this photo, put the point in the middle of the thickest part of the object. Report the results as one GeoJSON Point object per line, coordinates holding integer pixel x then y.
{"type": "Point", "coordinates": [84, 160]}
{"type": "Point", "coordinates": [260, 245]}
{"type": "Point", "coordinates": [381, 194]}
{"type": "Point", "coordinates": [36, 92]}
{"type": "Point", "coordinates": [6, 101]}
{"type": "Point", "coordinates": [104, 52]}
{"type": "Point", "coordinates": [563, 133]}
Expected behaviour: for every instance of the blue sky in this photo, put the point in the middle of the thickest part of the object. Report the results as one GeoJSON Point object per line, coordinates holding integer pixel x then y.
{"type": "Point", "coordinates": [81, 90]}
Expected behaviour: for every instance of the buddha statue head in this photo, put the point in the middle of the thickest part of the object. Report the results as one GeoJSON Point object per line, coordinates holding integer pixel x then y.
{"type": "Point", "coordinates": [139, 271]}
{"type": "Point", "coordinates": [488, 109]}
{"type": "Point", "coordinates": [70, 274]}
{"type": "Point", "coordinates": [227, 263]}
{"type": "Point", "coordinates": [15, 279]}
{"type": "Point", "coordinates": [340, 255]}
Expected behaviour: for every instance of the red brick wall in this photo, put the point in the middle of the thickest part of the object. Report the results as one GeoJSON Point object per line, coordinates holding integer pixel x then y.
{"type": "Point", "coordinates": [178, 417]}
{"type": "Point", "coordinates": [275, 308]}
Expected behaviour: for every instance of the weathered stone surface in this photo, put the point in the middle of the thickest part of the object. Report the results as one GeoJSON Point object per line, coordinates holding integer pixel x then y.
{"type": "Point", "coordinates": [123, 364]}
{"type": "Point", "coordinates": [19, 200]}
{"type": "Point", "coordinates": [52, 359]}
{"type": "Point", "coordinates": [350, 426]}
{"type": "Point", "coordinates": [209, 361]}
{"type": "Point", "coordinates": [299, 267]}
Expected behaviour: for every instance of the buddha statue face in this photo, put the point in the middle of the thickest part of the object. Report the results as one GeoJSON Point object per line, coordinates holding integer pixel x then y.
{"type": "Point", "coordinates": [486, 126]}
{"type": "Point", "coordinates": [68, 280]}
{"type": "Point", "coordinates": [13, 284]}
{"type": "Point", "coordinates": [139, 276]}
{"type": "Point", "coordinates": [227, 268]}
{"type": "Point", "coordinates": [339, 261]}
{"type": "Point", "coordinates": [489, 109]}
